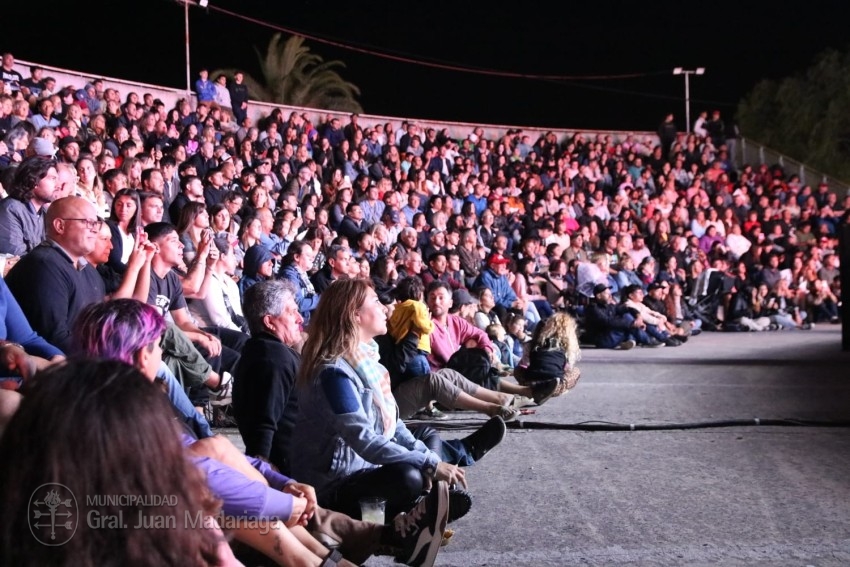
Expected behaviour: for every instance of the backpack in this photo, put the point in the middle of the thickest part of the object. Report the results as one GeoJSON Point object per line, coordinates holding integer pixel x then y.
{"type": "Point", "coordinates": [474, 364]}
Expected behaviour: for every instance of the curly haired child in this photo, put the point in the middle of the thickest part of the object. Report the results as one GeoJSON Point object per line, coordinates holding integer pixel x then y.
{"type": "Point", "coordinates": [553, 352]}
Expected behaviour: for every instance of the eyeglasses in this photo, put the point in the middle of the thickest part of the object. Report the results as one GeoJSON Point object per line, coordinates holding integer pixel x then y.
{"type": "Point", "coordinates": [90, 224]}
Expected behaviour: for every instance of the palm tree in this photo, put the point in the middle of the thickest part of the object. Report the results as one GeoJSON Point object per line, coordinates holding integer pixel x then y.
{"type": "Point", "coordinates": [294, 76]}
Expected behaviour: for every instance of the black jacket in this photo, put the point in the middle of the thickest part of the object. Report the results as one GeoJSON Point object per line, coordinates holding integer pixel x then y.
{"type": "Point", "coordinates": [264, 399]}
{"type": "Point", "coordinates": [238, 94]}
{"type": "Point", "coordinates": [545, 364]}
{"type": "Point", "coordinates": [322, 279]}
{"type": "Point", "coordinates": [603, 317]}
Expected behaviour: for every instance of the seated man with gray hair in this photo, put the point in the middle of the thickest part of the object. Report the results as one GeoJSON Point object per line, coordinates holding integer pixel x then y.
{"type": "Point", "coordinates": [265, 405]}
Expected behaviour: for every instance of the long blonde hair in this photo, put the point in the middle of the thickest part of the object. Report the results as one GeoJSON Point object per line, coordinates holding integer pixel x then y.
{"type": "Point", "coordinates": [333, 329]}
{"type": "Point", "coordinates": [560, 332]}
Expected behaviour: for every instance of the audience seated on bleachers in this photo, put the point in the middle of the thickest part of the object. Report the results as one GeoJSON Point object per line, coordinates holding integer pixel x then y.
{"type": "Point", "coordinates": [617, 242]}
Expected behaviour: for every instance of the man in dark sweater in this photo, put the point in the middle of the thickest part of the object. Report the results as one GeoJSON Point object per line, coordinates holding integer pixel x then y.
{"type": "Point", "coordinates": [238, 97]}
{"type": "Point", "coordinates": [53, 283]}
{"type": "Point", "coordinates": [264, 399]}
{"type": "Point", "coordinates": [613, 326]}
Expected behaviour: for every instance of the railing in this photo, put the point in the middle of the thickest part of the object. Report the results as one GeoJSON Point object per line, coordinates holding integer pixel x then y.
{"type": "Point", "coordinates": [751, 152]}
{"type": "Point", "coordinates": [746, 151]}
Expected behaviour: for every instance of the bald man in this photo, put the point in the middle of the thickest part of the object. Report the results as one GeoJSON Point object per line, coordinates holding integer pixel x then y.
{"type": "Point", "coordinates": [53, 283]}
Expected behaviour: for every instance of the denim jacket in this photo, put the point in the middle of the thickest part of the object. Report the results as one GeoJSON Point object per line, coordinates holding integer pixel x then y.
{"type": "Point", "coordinates": [329, 447]}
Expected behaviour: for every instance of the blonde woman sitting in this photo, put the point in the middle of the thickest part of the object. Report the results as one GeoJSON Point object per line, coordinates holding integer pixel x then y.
{"type": "Point", "coordinates": [553, 352]}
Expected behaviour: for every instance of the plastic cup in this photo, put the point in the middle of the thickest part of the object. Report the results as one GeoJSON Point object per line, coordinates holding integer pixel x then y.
{"type": "Point", "coordinates": [372, 509]}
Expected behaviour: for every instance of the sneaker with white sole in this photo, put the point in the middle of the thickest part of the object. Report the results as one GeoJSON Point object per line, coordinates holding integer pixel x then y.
{"type": "Point", "coordinates": [520, 402]}
{"type": "Point", "coordinates": [507, 413]}
{"type": "Point", "coordinates": [419, 532]}
{"type": "Point", "coordinates": [430, 413]}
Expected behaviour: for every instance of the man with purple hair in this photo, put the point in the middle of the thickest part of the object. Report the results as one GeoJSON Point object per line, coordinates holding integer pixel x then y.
{"type": "Point", "coordinates": [129, 331]}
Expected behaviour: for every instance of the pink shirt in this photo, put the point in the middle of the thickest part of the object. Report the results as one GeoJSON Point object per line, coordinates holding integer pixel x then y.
{"type": "Point", "coordinates": [445, 341]}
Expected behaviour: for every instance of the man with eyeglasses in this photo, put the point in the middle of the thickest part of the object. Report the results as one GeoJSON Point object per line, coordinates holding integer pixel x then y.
{"type": "Point", "coordinates": [54, 282]}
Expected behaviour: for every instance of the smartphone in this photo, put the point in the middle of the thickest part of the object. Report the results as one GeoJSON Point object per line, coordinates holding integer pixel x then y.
{"type": "Point", "coordinates": [297, 212]}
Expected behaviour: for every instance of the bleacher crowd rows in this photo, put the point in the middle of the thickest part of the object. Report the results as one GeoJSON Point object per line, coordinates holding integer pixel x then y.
{"type": "Point", "coordinates": [458, 271]}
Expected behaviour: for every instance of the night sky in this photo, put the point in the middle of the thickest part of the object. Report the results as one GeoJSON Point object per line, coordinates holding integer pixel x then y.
{"type": "Point", "coordinates": [738, 43]}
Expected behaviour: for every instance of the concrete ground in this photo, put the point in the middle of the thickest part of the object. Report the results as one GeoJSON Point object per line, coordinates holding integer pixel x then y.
{"type": "Point", "coordinates": [731, 496]}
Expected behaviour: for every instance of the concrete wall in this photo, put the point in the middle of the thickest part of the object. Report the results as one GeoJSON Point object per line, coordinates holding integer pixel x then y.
{"type": "Point", "coordinates": [457, 130]}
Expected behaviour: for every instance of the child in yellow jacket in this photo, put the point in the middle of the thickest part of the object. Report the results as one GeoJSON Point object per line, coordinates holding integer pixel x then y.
{"type": "Point", "coordinates": [410, 324]}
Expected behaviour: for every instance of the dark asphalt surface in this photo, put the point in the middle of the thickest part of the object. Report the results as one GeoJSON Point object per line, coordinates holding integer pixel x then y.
{"type": "Point", "coordinates": [731, 496]}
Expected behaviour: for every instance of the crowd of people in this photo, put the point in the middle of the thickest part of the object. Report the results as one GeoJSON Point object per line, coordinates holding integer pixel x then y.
{"type": "Point", "coordinates": [338, 286]}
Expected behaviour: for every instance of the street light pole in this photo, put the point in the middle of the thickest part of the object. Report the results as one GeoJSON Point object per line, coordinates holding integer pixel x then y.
{"type": "Point", "coordinates": [687, 73]}
{"type": "Point", "coordinates": [202, 4]}
{"type": "Point", "coordinates": [188, 70]}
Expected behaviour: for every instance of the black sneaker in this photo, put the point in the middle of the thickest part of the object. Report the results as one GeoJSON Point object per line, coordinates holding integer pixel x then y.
{"type": "Point", "coordinates": [419, 532]}
{"type": "Point", "coordinates": [671, 342]}
{"type": "Point", "coordinates": [460, 502]}
{"type": "Point", "coordinates": [651, 344]}
{"type": "Point", "coordinates": [626, 345]}
{"type": "Point", "coordinates": [543, 390]}
{"type": "Point", "coordinates": [485, 438]}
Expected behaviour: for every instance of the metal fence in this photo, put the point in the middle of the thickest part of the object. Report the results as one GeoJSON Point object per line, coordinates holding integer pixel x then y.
{"type": "Point", "coordinates": [751, 152]}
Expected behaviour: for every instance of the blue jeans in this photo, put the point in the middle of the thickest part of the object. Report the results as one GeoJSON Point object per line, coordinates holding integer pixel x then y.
{"type": "Point", "coordinates": [614, 337]}
{"type": "Point", "coordinates": [178, 398]}
{"type": "Point", "coordinates": [544, 308]}
{"type": "Point", "coordinates": [656, 333]}
{"type": "Point", "coordinates": [453, 451]}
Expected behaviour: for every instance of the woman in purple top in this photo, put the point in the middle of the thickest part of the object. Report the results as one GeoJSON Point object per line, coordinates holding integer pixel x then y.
{"type": "Point", "coordinates": [262, 508]}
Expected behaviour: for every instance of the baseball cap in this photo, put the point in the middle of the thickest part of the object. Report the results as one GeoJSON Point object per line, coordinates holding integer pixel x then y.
{"type": "Point", "coordinates": [629, 289]}
{"type": "Point", "coordinates": [599, 288]}
{"type": "Point", "coordinates": [66, 141]}
{"type": "Point", "coordinates": [462, 297]}
{"type": "Point", "coordinates": [496, 259]}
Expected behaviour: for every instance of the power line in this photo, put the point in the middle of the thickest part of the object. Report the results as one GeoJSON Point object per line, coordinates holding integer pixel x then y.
{"type": "Point", "coordinates": [431, 64]}
{"type": "Point", "coordinates": [640, 93]}
{"type": "Point", "coordinates": [563, 80]}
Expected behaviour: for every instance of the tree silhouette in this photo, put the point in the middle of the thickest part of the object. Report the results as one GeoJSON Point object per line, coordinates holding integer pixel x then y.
{"type": "Point", "coordinates": [806, 116]}
{"type": "Point", "coordinates": [292, 75]}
